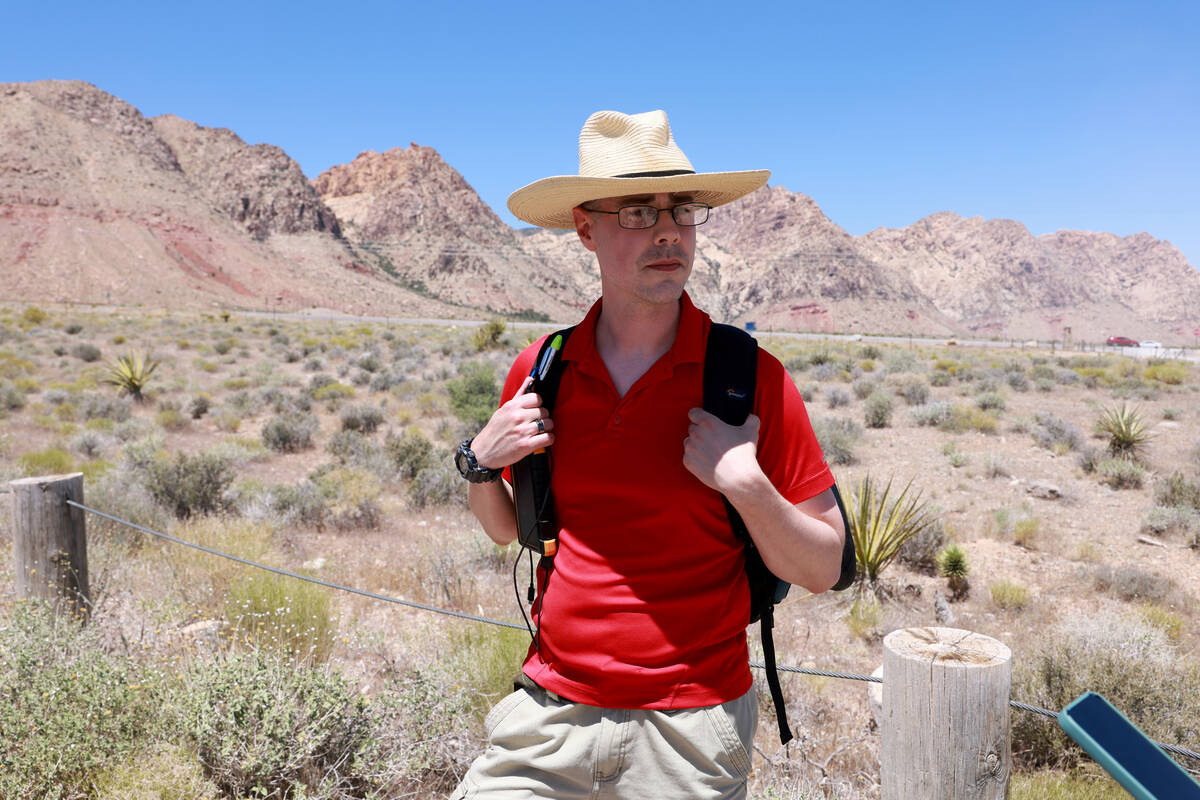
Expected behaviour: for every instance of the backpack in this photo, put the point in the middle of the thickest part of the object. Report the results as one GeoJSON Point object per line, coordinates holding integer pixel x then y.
{"type": "Point", "coordinates": [730, 367]}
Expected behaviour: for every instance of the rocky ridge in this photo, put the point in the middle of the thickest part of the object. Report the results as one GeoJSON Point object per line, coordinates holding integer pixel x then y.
{"type": "Point", "coordinates": [100, 204]}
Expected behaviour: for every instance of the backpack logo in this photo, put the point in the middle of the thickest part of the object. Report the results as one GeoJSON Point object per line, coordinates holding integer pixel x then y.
{"type": "Point", "coordinates": [735, 394]}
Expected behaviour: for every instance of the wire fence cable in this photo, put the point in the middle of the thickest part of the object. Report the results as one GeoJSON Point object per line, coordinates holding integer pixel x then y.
{"type": "Point", "coordinates": [517, 626]}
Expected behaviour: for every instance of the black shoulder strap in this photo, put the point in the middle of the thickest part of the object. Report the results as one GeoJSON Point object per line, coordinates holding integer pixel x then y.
{"type": "Point", "coordinates": [730, 379]}
{"type": "Point", "coordinates": [548, 386]}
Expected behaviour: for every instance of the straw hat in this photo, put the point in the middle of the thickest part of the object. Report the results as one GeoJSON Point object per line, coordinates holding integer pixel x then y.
{"type": "Point", "coordinates": [625, 154]}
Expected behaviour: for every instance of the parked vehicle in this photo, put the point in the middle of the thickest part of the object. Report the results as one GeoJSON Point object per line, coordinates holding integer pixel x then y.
{"type": "Point", "coordinates": [1155, 345]}
{"type": "Point", "coordinates": [1122, 341]}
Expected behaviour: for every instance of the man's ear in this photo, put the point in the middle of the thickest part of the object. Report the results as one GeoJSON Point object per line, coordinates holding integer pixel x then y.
{"type": "Point", "coordinates": [583, 227]}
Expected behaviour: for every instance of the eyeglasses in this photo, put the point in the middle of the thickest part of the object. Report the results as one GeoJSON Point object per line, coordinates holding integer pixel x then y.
{"type": "Point", "coordinates": [637, 217]}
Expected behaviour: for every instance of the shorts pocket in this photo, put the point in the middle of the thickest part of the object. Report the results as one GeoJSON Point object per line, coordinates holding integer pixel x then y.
{"type": "Point", "coordinates": [734, 723]}
{"type": "Point", "coordinates": [501, 710]}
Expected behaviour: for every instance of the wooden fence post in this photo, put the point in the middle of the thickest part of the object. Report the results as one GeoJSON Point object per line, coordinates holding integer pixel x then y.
{"type": "Point", "coordinates": [50, 541]}
{"type": "Point", "coordinates": [945, 730]}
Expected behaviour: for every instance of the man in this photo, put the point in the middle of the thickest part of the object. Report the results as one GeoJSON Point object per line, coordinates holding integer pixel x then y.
{"type": "Point", "coordinates": [638, 683]}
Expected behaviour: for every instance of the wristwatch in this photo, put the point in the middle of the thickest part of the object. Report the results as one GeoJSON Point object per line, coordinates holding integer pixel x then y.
{"type": "Point", "coordinates": [468, 467]}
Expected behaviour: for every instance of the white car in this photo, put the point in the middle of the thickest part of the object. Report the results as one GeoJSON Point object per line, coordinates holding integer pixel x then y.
{"type": "Point", "coordinates": [1154, 345]}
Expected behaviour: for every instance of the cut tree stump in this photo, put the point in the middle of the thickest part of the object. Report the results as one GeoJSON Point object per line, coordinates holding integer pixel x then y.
{"type": "Point", "coordinates": [945, 728]}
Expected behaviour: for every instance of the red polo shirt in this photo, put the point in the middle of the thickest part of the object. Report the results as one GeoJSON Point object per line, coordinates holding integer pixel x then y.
{"type": "Point", "coordinates": [648, 603]}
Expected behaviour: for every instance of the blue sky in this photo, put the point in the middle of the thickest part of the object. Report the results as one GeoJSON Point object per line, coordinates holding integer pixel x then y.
{"type": "Point", "coordinates": [1061, 115]}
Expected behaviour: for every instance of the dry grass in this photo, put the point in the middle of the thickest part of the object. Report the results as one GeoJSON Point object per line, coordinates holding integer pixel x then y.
{"type": "Point", "coordinates": [1074, 554]}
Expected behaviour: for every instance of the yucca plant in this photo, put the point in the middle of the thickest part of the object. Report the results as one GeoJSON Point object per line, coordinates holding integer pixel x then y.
{"type": "Point", "coordinates": [130, 374]}
{"type": "Point", "coordinates": [952, 564]}
{"type": "Point", "coordinates": [880, 526]}
{"type": "Point", "coordinates": [1125, 429]}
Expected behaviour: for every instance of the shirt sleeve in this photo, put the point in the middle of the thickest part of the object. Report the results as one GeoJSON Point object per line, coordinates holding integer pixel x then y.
{"type": "Point", "coordinates": [787, 447]}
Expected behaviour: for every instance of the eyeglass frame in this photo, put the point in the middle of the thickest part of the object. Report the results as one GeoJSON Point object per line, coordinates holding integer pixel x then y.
{"type": "Point", "coordinates": [707, 208]}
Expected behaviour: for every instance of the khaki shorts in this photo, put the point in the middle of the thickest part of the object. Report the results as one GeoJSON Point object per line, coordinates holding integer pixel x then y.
{"type": "Point", "coordinates": [540, 746]}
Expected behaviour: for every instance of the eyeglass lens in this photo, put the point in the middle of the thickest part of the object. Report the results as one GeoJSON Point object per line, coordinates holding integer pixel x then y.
{"type": "Point", "coordinates": [686, 214]}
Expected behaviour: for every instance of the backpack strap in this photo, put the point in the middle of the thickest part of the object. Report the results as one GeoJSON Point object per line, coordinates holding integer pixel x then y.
{"type": "Point", "coordinates": [730, 378]}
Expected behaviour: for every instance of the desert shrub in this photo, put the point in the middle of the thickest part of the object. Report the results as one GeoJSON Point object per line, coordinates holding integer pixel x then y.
{"type": "Point", "coordinates": [361, 417]}
{"type": "Point", "coordinates": [333, 393]}
{"type": "Point", "coordinates": [864, 617]}
{"type": "Point", "coordinates": [827, 372]}
{"type": "Point", "coordinates": [940, 378]}
{"type": "Point", "coordinates": [264, 727]}
{"type": "Point", "coordinates": [1129, 582]}
{"type": "Point", "coordinates": [921, 549]}
{"type": "Point", "coordinates": [1017, 380]}
{"type": "Point", "coordinates": [474, 395]}
{"type": "Point", "coordinates": [880, 525]}
{"type": "Point", "coordinates": [85, 352]}
{"type": "Point", "coordinates": [836, 396]}
{"type": "Point", "coordinates": [1053, 785]}
{"type": "Point", "coordinates": [901, 361]}
{"type": "Point", "coordinates": [51, 461]}
{"type": "Point", "coordinates": [877, 409]}
{"type": "Point", "coordinates": [1025, 532]}
{"type": "Point", "coordinates": [915, 391]}
{"type": "Point", "coordinates": [1172, 519]}
{"type": "Point", "coordinates": [1177, 490]}
{"type": "Point", "coordinates": [1089, 459]}
{"type": "Point", "coordinates": [351, 497]}
{"type": "Point", "coordinates": [837, 437]}
{"type": "Point", "coordinates": [1172, 373]}
{"type": "Point", "coordinates": [300, 503]}
{"type": "Point", "coordinates": [990, 401]}
{"type": "Point", "coordinates": [70, 708]}
{"type": "Point", "coordinates": [863, 388]}
{"type": "Point", "coordinates": [162, 770]}
{"type": "Point", "coordinates": [368, 362]}
{"type": "Point", "coordinates": [96, 406]}
{"type": "Point", "coordinates": [198, 406]}
{"type": "Point", "coordinates": [1122, 657]}
{"type": "Point", "coordinates": [172, 419]}
{"type": "Point", "coordinates": [487, 336]}
{"type": "Point", "coordinates": [223, 346]}
{"type": "Point", "coordinates": [936, 413]}
{"type": "Point", "coordinates": [32, 316]}
{"type": "Point", "coordinates": [289, 432]}
{"type": "Point", "coordinates": [410, 452]}
{"type": "Point", "coordinates": [956, 457]}
{"type": "Point", "coordinates": [437, 484]}
{"type": "Point", "coordinates": [89, 444]}
{"type": "Point", "coordinates": [1055, 434]}
{"type": "Point", "coordinates": [1009, 595]}
{"type": "Point", "coordinates": [1121, 473]}
{"type": "Point", "coordinates": [190, 485]}
{"type": "Point", "coordinates": [995, 466]}
{"type": "Point", "coordinates": [819, 357]}
{"type": "Point", "coordinates": [283, 615]}
{"type": "Point", "coordinates": [11, 399]}
{"type": "Point", "coordinates": [1125, 430]}
{"type": "Point", "coordinates": [969, 418]}
{"type": "Point", "coordinates": [1163, 619]}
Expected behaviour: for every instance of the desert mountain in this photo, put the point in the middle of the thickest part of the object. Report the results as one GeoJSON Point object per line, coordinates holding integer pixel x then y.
{"type": "Point", "coordinates": [995, 278]}
{"type": "Point", "coordinates": [100, 204]}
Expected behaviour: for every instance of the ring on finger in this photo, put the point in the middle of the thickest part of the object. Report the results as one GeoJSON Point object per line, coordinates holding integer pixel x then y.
{"type": "Point", "coordinates": [541, 426]}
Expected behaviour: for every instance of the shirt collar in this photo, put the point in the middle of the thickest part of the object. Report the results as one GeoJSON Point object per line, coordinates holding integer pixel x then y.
{"type": "Point", "coordinates": [689, 338]}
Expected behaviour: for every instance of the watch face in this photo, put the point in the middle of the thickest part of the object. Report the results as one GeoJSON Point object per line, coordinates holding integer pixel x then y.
{"type": "Point", "coordinates": [462, 461]}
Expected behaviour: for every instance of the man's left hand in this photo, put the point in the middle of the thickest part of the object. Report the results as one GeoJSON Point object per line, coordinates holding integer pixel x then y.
{"type": "Point", "coordinates": [724, 457]}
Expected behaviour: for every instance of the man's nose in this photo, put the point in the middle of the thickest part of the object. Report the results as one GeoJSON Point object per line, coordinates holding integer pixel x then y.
{"type": "Point", "coordinates": [666, 229]}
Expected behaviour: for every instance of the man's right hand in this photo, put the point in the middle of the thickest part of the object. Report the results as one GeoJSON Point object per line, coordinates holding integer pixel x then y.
{"type": "Point", "coordinates": [518, 428]}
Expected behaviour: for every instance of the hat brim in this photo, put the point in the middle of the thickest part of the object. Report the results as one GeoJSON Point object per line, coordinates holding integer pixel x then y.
{"type": "Point", "coordinates": [548, 202]}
